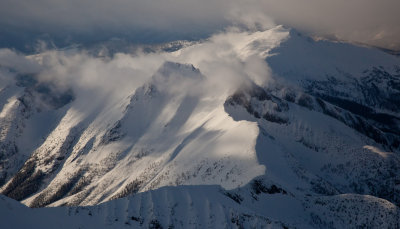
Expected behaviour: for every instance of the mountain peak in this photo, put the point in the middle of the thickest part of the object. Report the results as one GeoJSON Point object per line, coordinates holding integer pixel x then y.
{"type": "Point", "coordinates": [171, 69]}
{"type": "Point", "coordinates": [316, 146]}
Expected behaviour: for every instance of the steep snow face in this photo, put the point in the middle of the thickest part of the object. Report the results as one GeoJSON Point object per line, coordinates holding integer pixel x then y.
{"type": "Point", "coordinates": [26, 118]}
{"type": "Point", "coordinates": [171, 133]}
{"type": "Point", "coordinates": [274, 118]}
{"type": "Point", "coordinates": [164, 126]}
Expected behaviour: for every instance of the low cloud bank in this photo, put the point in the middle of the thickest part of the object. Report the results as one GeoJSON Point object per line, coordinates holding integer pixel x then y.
{"type": "Point", "coordinates": [227, 60]}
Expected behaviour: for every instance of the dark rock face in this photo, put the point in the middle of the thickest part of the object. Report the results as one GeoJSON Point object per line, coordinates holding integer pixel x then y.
{"type": "Point", "coordinates": [370, 115]}
{"type": "Point", "coordinates": [113, 134]}
{"type": "Point", "coordinates": [259, 187]}
{"type": "Point", "coordinates": [25, 182]}
{"type": "Point", "coordinates": [43, 93]}
{"type": "Point", "coordinates": [370, 104]}
{"type": "Point", "coordinates": [24, 179]}
{"type": "Point", "coordinates": [250, 98]}
{"type": "Point", "coordinates": [375, 89]}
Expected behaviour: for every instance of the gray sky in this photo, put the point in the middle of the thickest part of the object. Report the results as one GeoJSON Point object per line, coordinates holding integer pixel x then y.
{"type": "Point", "coordinates": [374, 22]}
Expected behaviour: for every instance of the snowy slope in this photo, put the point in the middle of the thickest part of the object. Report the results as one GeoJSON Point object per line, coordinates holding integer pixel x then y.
{"type": "Point", "coordinates": [291, 130]}
{"type": "Point", "coordinates": [183, 207]}
{"type": "Point", "coordinates": [209, 207]}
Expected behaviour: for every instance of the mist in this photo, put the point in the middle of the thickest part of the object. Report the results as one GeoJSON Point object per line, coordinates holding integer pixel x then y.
{"type": "Point", "coordinates": [226, 61]}
{"type": "Point", "coordinates": [64, 22]}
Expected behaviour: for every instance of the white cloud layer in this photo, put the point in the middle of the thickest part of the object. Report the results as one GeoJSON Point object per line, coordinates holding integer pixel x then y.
{"type": "Point", "coordinates": [227, 60]}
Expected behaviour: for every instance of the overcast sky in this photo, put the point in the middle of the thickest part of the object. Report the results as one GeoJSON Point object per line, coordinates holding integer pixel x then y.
{"type": "Point", "coordinates": [375, 22]}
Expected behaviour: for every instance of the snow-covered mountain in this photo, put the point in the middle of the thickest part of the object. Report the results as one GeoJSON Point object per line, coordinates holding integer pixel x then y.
{"type": "Point", "coordinates": [245, 129]}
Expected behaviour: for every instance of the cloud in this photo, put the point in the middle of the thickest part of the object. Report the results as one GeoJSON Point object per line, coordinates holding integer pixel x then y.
{"type": "Point", "coordinates": [16, 62]}
{"type": "Point", "coordinates": [88, 21]}
{"type": "Point", "coordinates": [88, 14]}
{"type": "Point", "coordinates": [227, 61]}
{"type": "Point", "coordinates": [367, 21]}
